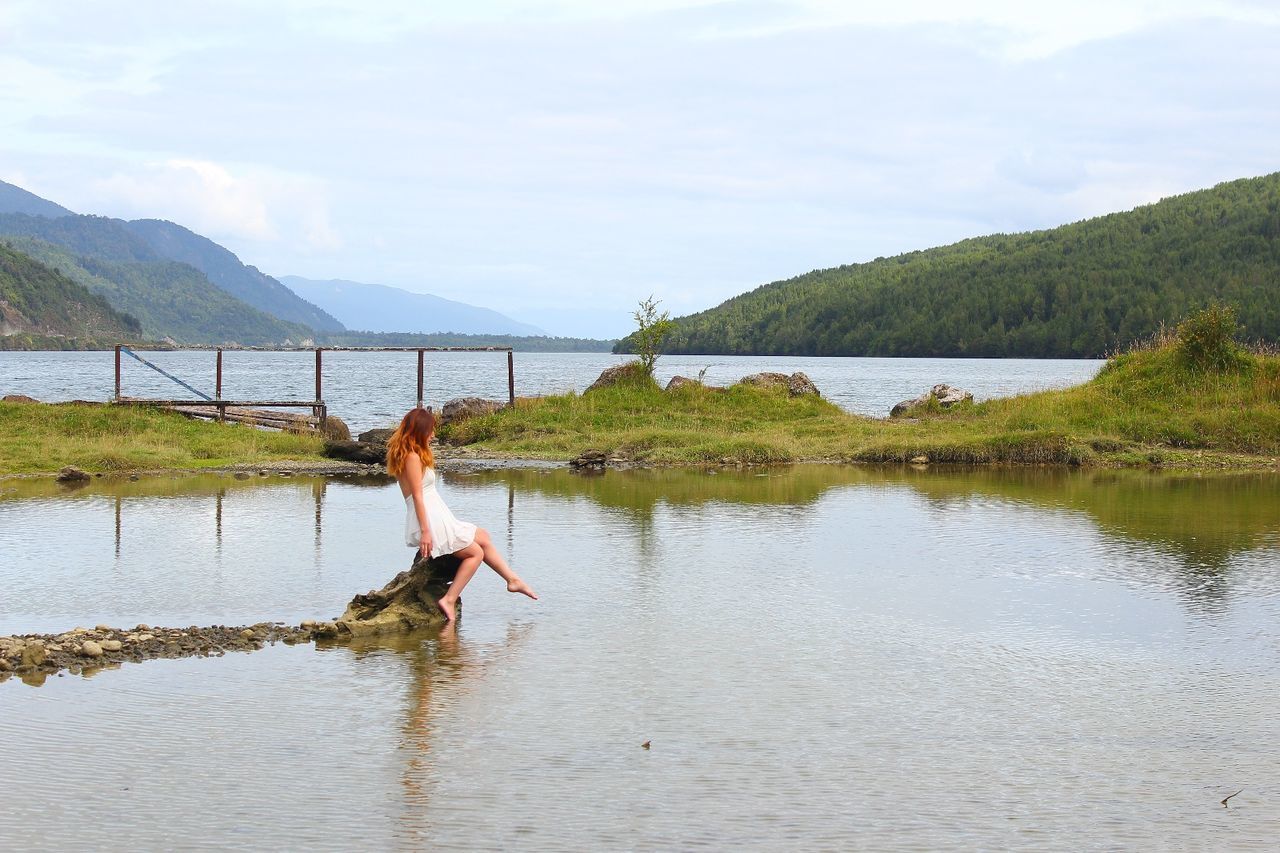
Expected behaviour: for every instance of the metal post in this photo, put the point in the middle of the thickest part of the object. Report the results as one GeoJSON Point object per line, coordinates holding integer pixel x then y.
{"type": "Point", "coordinates": [511, 378]}
{"type": "Point", "coordinates": [217, 395]}
{"type": "Point", "coordinates": [320, 411]}
{"type": "Point", "coordinates": [420, 372]}
{"type": "Point", "coordinates": [117, 373]}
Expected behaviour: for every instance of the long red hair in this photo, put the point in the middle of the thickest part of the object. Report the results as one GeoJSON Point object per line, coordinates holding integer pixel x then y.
{"type": "Point", "coordinates": [412, 436]}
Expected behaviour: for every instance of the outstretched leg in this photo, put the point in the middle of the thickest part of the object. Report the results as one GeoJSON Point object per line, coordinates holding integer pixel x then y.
{"type": "Point", "coordinates": [470, 557]}
{"type": "Point", "coordinates": [493, 559]}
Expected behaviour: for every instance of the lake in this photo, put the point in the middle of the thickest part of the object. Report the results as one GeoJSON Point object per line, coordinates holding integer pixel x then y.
{"type": "Point", "coordinates": [821, 657]}
{"type": "Point", "coordinates": [371, 389]}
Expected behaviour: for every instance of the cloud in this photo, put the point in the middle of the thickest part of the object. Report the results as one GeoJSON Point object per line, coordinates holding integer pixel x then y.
{"type": "Point", "coordinates": [258, 205]}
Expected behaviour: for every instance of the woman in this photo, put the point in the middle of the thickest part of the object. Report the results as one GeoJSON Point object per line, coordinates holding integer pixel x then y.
{"type": "Point", "coordinates": [430, 526]}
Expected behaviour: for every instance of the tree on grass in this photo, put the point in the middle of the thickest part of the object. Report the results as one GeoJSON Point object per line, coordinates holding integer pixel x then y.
{"type": "Point", "coordinates": [652, 329]}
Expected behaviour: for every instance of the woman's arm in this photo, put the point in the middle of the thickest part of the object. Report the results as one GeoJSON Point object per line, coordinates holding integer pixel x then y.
{"type": "Point", "coordinates": [413, 478]}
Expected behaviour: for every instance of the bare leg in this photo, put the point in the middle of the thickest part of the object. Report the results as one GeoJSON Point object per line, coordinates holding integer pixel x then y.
{"type": "Point", "coordinates": [471, 557]}
{"type": "Point", "coordinates": [493, 559]}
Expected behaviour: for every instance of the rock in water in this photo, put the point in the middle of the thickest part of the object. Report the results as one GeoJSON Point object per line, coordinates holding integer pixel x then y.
{"type": "Point", "coordinates": [467, 407]}
{"type": "Point", "coordinates": [90, 649]}
{"type": "Point", "coordinates": [406, 603]}
{"type": "Point", "coordinates": [72, 474]}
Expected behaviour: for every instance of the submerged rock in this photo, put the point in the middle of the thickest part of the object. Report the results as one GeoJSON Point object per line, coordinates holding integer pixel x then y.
{"type": "Point", "coordinates": [72, 474]}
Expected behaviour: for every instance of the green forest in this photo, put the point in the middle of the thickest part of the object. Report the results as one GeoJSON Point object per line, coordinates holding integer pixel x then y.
{"type": "Point", "coordinates": [1077, 291]}
{"type": "Point", "coordinates": [41, 306]}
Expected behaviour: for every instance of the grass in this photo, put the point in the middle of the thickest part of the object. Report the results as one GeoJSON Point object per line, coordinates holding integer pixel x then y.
{"type": "Point", "coordinates": [38, 438]}
{"type": "Point", "coordinates": [1145, 407]}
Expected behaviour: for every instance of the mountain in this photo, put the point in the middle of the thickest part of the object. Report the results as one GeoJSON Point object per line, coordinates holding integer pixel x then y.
{"type": "Point", "coordinates": [519, 343]}
{"type": "Point", "coordinates": [1080, 290]}
{"type": "Point", "coordinates": [171, 299]}
{"type": "Point", "coordinates": [379, 308]}
{"type": "Point", "coordinates": [224, 269]}
{"type": "Point", "coordinates": [38, 302]}
{"type": "Point", "coordinates": [17, 200]}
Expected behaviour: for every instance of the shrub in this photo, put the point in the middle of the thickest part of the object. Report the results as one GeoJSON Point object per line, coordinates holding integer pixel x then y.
{"type": "Point", "coordinates": [1207, 340]}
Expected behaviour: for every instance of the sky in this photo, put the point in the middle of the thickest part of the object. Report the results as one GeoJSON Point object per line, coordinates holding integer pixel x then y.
{"type": "Point", "coordinates": [561, 160]}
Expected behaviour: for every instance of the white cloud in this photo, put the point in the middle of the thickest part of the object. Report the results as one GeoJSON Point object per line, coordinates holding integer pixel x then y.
{"type": "Point", "coordinates": [258, 205]}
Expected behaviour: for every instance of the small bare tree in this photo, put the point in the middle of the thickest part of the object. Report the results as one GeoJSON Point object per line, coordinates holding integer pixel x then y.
{"type": "Point", "coordinates": [652, 329]}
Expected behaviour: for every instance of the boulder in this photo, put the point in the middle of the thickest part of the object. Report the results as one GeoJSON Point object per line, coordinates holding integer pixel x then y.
{"type": "Point", "coordinates": [19, 398]}
{"type": "Point", "coordinates": [376, 436]}
{"type": "Point", "coordinates": [72, 474]}
{"type": "Point", "coordinates": [406, 603]}
{"type": "Point", "coordinates": [767, 380]}
{"type": "Point", "coordinates": [590, 459]}
{"type": "Point", "coordinates": [681, 382]}
{"type": "Point", "coordinates": [467, 407]}
{"type": "Point", "coordinates": [946, 396]}
{"type": "Point", "coordinates": [335, 429]}
{"type": "Point", "coordinates": [627, 372]}
{"type": "Point", "coordinates": [798, 385]}
{"type": "Point", "coordinates": [356, 451]}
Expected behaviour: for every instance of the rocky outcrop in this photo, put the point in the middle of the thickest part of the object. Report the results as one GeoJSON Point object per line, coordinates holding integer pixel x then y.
{"type": "Point", "coordinates": [945, 395]}
{"type": "Point", "coordinates": [797, 384]}
{"type": "Point", "coordinates": [800, 385]}
{"type": "Point", "coordinates": [406, 603]}
{"type": "Point", "coordinates": [468, 407]}
{"type": "Point", "coordinates": [363, 452]}
{"type": "Point", "coordinates": [72, 474]}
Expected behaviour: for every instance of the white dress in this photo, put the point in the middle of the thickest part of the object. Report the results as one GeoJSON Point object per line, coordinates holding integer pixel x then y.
{"type": "Point", "coordinates": [448, 534]}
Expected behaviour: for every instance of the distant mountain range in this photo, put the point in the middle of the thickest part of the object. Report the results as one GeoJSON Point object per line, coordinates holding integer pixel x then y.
{"type": "Point", "coordinates": [1079, 290]}
{"type": "Point", "coordinates": [171, 283]}
{"type": "Point", "coordinates": [381, 308]}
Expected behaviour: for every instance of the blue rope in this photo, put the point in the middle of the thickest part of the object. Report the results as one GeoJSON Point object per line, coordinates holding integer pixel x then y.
{"type": "Point", "coordinates": [165, 373]}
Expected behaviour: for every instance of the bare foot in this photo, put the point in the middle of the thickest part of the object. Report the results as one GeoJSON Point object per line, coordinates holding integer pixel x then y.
{"type": "Point", "coordinates": [521, 587]}
{"type": "Point", "coordinates": [446, 607]}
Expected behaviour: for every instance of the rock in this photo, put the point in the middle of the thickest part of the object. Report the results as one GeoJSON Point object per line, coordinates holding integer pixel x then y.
{"type": "Point", "coordinates": [90, 649]}
{"type": "Point", "coordinates": [18, 398]}
{"type": "Point", "coordinates": [376, 436]}
{"type": "Point", "coordinates": [462, 408]}
{"type": "Point", "coordinates": [627, 372]}
{"type": "Point", "coordinates": [678, 382]}
{"type": "Point", "coordinates": [241, 475]}
{"type": "Point", "coordinates": [111, 645]}
{"type": "Point", "coordinates": [5, 666]}
{"type": "Point", "coordinates": [335, 429]}
{"type": "Point", "coordinates": [308, 624]}
{"type": "Point", "coordinates": [247, 634]}
{"type": "Point", "coordinates": [72, 474]}
{"type": "Point", "coordinates": [767, 380]}
{"type": "Point", "coordinates": [919, 460]}
{"type": "Point", "coordinates": [946, 395]}
{"type": "Point", "coordinates": [590, 459]}
{"type": "Point", "coordinates": [33, 653]}
{"type": "Point", "coordinates": [102, 629]}
{"type": "Point", "coordinates": [356, 451]}
{"type": "Point", "coordinates": [798, 385]}
{"type": "Point", "coordinates": [407, 602]}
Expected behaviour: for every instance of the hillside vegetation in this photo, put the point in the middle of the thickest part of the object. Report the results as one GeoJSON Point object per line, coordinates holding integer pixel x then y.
{"type": "Point", "coordinates": [42, 307]}
{"type": "Point", "coordinates": [1081, 290]}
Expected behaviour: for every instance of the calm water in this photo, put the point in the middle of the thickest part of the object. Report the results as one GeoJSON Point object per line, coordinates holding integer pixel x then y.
{"type": "Point", "coordinates": [822, 657]}
{"type": "Point", "coordinates": [373, 389]}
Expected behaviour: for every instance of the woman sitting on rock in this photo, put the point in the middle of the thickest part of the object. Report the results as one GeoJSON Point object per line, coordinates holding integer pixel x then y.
{"type": "Point", "coordinates": [429, 525]}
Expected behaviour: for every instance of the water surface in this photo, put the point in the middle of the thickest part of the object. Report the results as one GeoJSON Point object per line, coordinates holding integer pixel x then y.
{"type": "Point", "coordinates": [821, 657]}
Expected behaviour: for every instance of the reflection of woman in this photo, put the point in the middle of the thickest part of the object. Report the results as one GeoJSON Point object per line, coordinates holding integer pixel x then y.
{"type": "Point", "coordinates": [429, 525]}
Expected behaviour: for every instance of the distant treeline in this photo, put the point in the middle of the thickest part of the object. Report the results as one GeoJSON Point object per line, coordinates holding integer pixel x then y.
{"type": "Point", "coordinates": [1081, 290]}
{"type": "Point", "coordinates": [446, 339]}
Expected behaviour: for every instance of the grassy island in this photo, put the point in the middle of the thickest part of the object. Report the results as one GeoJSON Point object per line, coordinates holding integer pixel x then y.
{"type": "Point", "coordinates": [37, 437]}
{"type": "Point", "coordinates": [1180, 401]}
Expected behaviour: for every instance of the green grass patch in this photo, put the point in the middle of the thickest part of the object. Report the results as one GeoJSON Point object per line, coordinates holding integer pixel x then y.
{"type": "Point", "coordinates": [1146, 407]}
{"type": "Point", "coordinates": [38, 437]}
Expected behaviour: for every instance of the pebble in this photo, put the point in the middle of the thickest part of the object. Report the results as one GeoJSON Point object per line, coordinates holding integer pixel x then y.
{"type": "Point", "coordinates": [142, 638]}
{"type": "Point", "coordinates": [90, 649]}
{"type": "Point", "coordinates": [247, 634]}
{"type": "Point", "coordinates": [112, 645]}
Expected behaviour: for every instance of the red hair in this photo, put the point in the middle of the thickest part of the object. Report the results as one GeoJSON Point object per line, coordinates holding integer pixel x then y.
{"type": "Point", "coordinates": [412, 436]}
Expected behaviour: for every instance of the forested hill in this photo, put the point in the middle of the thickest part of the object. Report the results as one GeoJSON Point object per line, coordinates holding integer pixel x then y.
{"type": "Point", "coordinates": [1080, 290]}
{"type": "Point", "coordinates": [39, 304]}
